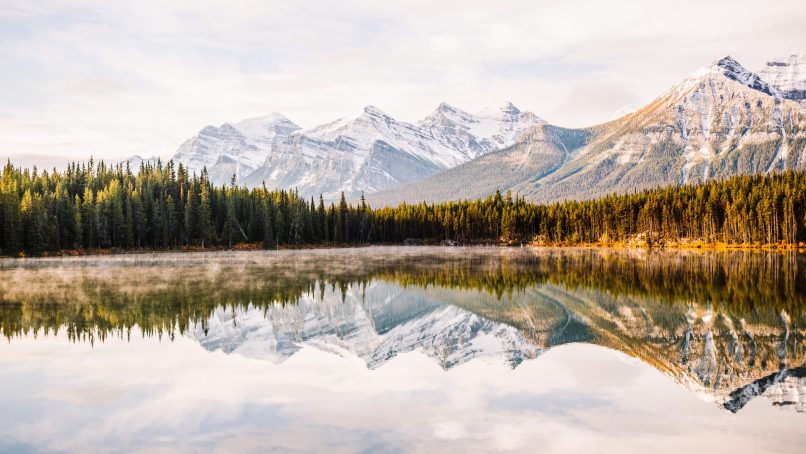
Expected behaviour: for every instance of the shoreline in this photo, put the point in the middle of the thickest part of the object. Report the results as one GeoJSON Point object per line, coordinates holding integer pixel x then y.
{"type": "Point", "coordinates": [667, 246]}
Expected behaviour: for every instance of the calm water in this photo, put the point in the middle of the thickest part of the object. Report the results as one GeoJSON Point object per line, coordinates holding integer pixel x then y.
{"type": "Point", "coordinates": [405, 350]}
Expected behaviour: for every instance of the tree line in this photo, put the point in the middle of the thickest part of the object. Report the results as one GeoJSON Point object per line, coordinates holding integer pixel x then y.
{"type": "Point", "coordinates": [163, 206]}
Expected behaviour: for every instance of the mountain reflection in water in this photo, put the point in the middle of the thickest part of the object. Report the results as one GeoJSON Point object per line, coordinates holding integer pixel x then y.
{"type": "Point", "coordinates": [727, 326]}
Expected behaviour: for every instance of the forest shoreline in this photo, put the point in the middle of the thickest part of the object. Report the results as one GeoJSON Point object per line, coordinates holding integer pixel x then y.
{"type": "Point", "coordinates": [101, 210]}
{"type": "Point", "coordinates": [675, 245]}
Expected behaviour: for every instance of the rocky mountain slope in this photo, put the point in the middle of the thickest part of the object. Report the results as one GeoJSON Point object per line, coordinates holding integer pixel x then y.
{"type": "Point", "coordinates": [720, 121]}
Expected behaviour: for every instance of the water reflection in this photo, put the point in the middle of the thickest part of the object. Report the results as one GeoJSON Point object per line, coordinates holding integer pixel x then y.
{"type": "Point", "coordinates": [728, 326]}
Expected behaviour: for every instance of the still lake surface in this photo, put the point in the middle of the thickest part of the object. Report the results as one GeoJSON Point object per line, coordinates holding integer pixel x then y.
{"type": "Point", "coordinates": [393, 349]}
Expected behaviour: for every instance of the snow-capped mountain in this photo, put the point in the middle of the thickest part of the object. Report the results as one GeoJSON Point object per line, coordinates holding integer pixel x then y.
{"type": "Point", "coordinates": [722, 120]}
{"type": "Point", "coordinates": [788, 76]}
{"type": "Point", "coordinates": [368, 152]}
{"type": "Point", "coordinates": [234, 149]}
{"type": "Point", "coordinates": [365, 153]}
{"type": "Point", "coordinates": [374, 323]}
{"type": "Point", "coordinates": [731, 69]}
{"type": "Point", "coordinates": [473, 135]}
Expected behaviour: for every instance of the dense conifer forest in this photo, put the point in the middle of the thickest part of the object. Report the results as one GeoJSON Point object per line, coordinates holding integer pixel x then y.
{"type": "Point", "coordinates": [98, 206]}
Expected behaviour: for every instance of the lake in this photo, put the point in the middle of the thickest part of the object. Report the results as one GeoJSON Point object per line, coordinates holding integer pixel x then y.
{"type": "Point", "coordinates": [405, 349]}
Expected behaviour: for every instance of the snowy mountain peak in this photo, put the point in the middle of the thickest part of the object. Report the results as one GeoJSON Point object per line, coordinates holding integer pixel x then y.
{"type": "Point", "coordinates": [134, 161]}
{"type": "Point", "coordinates": [373, 111]}
{"type": "Point", "coordinates": [506, 110]}
{"type": "Point", "coordinates": [209, 129]}
{"type": "Point", "coordinates": [731, 69]}
{"type": "Point", "coordinates": [726, 62]}
{"type": "Point", "coordinates": [443, 106]}
{"type": "Point", "coordinates": [227, 128]}
{"type": "Point", "coordinates": [331, 129]}
{"type": "Point", "coordinates": [265, 126]}
{"type": "Point", "coordinates": [508, 107]}
{"type": "Point", "coordinates": [446, 108]}
{"type": "Point", "coordinates": [489, 129]}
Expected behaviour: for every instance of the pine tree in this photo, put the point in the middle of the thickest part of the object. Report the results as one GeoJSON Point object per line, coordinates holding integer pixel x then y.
{"type": "Point", "coordinates": [343, 235]}
{"type": "Point", "coordinates": [78, 226]}
{"type": "Point", "coordinates": [230, 223]}
{"type": "Point", "coordinates": [32, 222]}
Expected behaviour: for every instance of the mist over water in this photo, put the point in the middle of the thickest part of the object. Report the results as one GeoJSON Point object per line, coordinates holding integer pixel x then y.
{"type": "Point", "coordinates": [405, 348]}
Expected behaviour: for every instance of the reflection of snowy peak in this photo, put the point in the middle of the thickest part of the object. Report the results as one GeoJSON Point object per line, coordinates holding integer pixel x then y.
{"type": "Point", "coordinates": [784, 388]}
{"type": "Point", "coordinates": [716, 356]}
{"type": "Point", "coordinates": [375, 328]}
{"type": "Point", "coordinates": [733, 361]}
{"type": "Point", "coordinates": [454, 336]}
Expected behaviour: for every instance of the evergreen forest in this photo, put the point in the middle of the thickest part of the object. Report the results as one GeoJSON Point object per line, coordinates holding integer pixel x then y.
{"type": "Point", "coordinates": [161, 206]}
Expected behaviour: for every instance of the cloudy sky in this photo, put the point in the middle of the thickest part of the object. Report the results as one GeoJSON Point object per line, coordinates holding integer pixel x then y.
{"type": "Point", "coordinates": [113, 79]}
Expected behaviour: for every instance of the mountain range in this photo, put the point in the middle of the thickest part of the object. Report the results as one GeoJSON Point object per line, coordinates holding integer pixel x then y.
{"type": "Point", "coordinates": [720, 121]}
{"type": "Point", "coordinates": [367, 153]}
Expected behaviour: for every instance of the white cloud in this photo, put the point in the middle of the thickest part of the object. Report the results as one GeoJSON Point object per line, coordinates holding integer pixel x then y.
{"type": "Point", "coordinates": [116, 78]}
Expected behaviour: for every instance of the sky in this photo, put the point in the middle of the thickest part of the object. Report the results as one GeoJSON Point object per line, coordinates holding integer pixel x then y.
{"type": "Point", "coordinates": [113, 79]}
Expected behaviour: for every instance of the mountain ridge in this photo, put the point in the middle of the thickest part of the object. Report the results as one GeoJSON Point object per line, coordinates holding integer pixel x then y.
{"type": "Point", "coordinates": [720, 121]}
